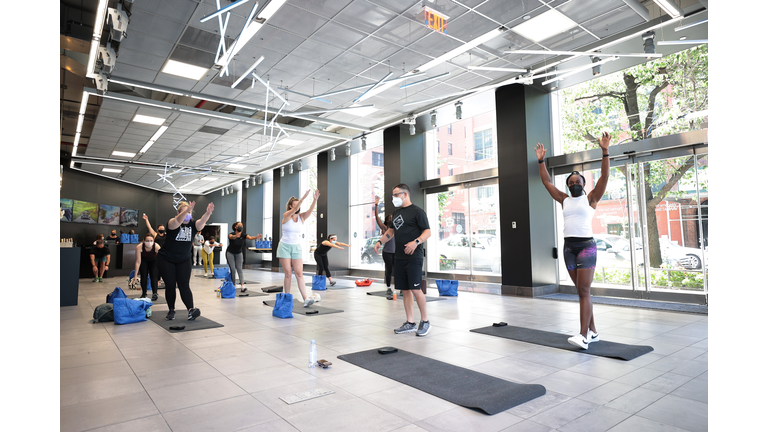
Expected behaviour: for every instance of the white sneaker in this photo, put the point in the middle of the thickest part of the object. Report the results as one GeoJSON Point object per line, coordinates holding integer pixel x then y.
{"type": "Point", "coordinates": [206, 274]}
{"type": "Point", "coordinates": [579, 341]}
{"type": "Point", "coordinates": [308, 301]}
{"type": "Point", "coordinates": [592, 337]}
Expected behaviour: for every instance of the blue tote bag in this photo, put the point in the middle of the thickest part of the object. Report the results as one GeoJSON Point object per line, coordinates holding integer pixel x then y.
{"type": "Point", "coordinates": [448, 287]}
{"type": "Point", "coordinates": [318, 282]}
{"type": "Point", "coordinates": [283, 306]}
{"type": "Point", "coordinates": [228, 290]}
{"type": "Point", "coordinates": [115, 294]}
{"type": "Point", "coordinates": [129, 311]}
{"type": "Point", "coordinates": [222, 273]}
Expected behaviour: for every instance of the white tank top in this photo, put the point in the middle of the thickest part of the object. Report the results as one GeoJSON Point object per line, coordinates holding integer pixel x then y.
{"type": "Point", "coordinates": [577, 217]}
{"type": "Point", "coordinates": [292, 231]}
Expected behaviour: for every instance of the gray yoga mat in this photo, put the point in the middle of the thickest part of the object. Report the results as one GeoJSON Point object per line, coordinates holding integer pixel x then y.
{"type": "Point", "coordinates": [299, 309]}
{"type": "Point", "coordinates": [399, 297]}
{"type": "Point", "coordinates": [455, 384]}
{"type": "Point", "coordinates": [250, 293]}
{"type": "Point", "coordinates": [559, 340]}
{"type": "Point", "coordinates": [272, 289]}
{"type": "Point", "coordinates": [335, 287]}
{"type": "Point", "coordinates": [198, 323]}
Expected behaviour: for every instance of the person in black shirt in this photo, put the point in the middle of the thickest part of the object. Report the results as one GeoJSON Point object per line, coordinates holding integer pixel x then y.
{"type": "Point", "coordinates": [174, 259]}
{"type": "Point", "coordinates": [113, 237]}
{"type": "Point", "coordinates": [159, 237]}
{"type": "Point", "coordinates": [99, 254]}
{"type": "Point", "coordinates": [321, 255]}
{"type": "Point", "coordinates": [410, 229]}
{"type": "Point", "coordinates": [235, 252]}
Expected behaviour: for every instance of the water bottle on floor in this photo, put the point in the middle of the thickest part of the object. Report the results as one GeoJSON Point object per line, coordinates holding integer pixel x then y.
{"type": "Point", "coordinates": [312, 354]}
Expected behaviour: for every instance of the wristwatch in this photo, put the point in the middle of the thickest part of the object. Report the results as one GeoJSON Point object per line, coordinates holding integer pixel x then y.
{"type": "Point", "coordinates": [417, 241]}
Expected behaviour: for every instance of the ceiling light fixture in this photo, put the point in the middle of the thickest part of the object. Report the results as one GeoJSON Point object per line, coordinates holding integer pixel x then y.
{"type": "Point", "coordinates": [210, 178]}
{"type": "Point", "coordinates": [425, 80]}
{"type": "Point", "coordinates": [154, 138]}
{"type": "Point", "coordinates": [573, 53]}
{"type": "Point", "coordinates": [334, 110]}
{"type": "Point", "coordinates": [553, 84]}
{"type": "Point", "coordinates": [259, 178]}
{"type": "Point", "coordinates": [368, 93]}
{"type": "Point", "coordinates": [363, 144]}
{"type": "Point", "coordinates": [579, 69]}
{"type": "Point", "coordinates": [185, 70]}
{"type": "Point", "coordinates": [687, 26]}
{"type": "Point", "coordinates": [684, 42]}
{"type": "Point", "coordinates": [458, 110]}
{"type": "Point", "coordinates": [250, 28]}
{"type": "Point", "coordinates": [96, 39]}
{"type": "Point", "coordinates": [235, 166]}
{"type": "Point", "coordinates": [433, 118]}
{"type": "Point", "coordinates": [669, 7]}
{"type": "Point", "coordinates": [648, 47]}
{"type": "Point", "coordinates": [596, 69]}
{"type": "Point", "coordinates": [157, 121]}
{"type": "Point", "coordinates": [123, 154]}
{"type": "Point", "coordinates": [462, 49]}
{"type": "Point", "coordinates": [496, 69]}
{"type": "Point", "coordinates": [544, 26]}
{"type": "Point", "coordinates": [333, 154]}
{"type": "Point", "coordinates": [111, 170]}
{"type": "Point", "coordinates": [347, 150]}
{"type": "Point", "coordinates": [250, 69]}
{"type": "Point", "coordinates": [282, 171]}
{"type": "Point", "coordinates": [299, 164]}
{"type": "Point", "coordinates": [290, 168]}
{"type": "Point", "coordinates": [222, 10]}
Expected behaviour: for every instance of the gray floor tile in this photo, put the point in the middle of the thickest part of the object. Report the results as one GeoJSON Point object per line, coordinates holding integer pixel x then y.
{"type": "Point", "coordinates": [461, 419]}
{"type": "Point", "coordinates": [359, 415]}
{"type": "Point", "coordinates": [155, 423]}
{"type": "Point", "coordinates": [635, 400]}
{"type": "Point", "coordinates": [679, 412]}
{"type": "Point", "coordinates": [392, 399]}
{"type": "Point", "coordinates": [266, 378]}
{"type": "Point", "coordinates": [225, 415]}
{"type": "Point", "coordinates": [101, 388]}
{"type": "Point", "coordinates": [695, 389]}
{"type": "Point", "coordinates": [94, 372]}
{"type": "Point", "coordinates": [666, 383]}
{"type": "Point", "coordinates": [104, 412]}
{"type": "Point", "coordinates": [606, 392]}
{"type": "Point", "coordinates": [519, 371]}
{"type": "Point", "coordinates": [564, 413]}
{"type": "Point", "coordinates": [635, 423]}
{"type": "Point", "coordinates": [601, 419]}
{"type": "Point", "coordinates": [159, 378]}
{"type": "Point", "coordinates": [528, 426]}
{"type": "Point", "coordinates": [569, 383]}
{"type": "Point", "coordinates": [194, 394]}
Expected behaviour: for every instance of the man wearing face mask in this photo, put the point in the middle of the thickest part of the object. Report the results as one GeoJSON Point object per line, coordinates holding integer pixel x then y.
{"type": "Point", "coordinates": [113, 237]}
{"type": "Point", "coordinates": [321, 256]}
{"type": "Point", "coordinates": [409, 230]}
{"type": "Point", "coordinates": [579, 249]}
{"type": "Point", "coordinates": [235, 252]}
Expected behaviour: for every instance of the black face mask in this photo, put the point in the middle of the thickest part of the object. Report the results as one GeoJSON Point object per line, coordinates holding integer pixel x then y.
{"type": "Point", "coordinates": [161, 231]}
{"type": "Point", "coordinates": [298, 211]}
{"type": "Point", "coordinates": [239, 229]}
{"type": "Point", "coordinates": [576, 190]}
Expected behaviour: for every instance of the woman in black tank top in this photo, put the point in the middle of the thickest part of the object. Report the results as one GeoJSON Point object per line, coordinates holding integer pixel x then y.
{"type": "Point", "coordinates": [146, 257]}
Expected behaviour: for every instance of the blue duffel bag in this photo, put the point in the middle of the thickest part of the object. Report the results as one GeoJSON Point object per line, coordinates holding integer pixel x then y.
{"type": "Point", "coordinates": [222, 273]}
{"type": "Point", "coordinates": [228, 290]}
{"type": "Point", "coordinates": [318, 282]}
{"type": "Point", "coordinates": [448, 287]}
{"type": "Point", "coordinates": [115, 294]}
{"type": "Point", "coordinates": [129, 311]}
{"type": "Point", "coordinates": [283, 305]}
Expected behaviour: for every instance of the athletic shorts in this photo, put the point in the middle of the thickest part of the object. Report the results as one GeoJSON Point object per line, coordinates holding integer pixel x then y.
{"type": "Point", "coordinates": [102, 259]}
{"type": "Point", "coordinates": [408, 274]}
{"type": "Point", "coordinates": [292, 251]}
{"type": "Point", "coordinates": [580, 254]}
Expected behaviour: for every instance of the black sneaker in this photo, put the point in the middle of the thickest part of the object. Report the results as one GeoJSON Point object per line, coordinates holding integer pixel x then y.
{"type": "Point", "coordinates": [193, 313]}
{"type": "Point", "coordinates": [423, 328]}
{"type": "Point", "coordinates": [333, 283]}
{"type": "Point", "coordinates": [143, 296]}
{"type": "Point", "coordinates": [171, 315]}
{"type": "Point", "coordinates": [154, 297]}
{"type": "Point", "coordinates": [389, 291]}
{"type": "Point", "coordinates": [407, 327]}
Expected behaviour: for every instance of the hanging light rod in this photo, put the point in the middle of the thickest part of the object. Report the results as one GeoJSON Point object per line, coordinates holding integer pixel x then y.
{"type": "Point", "coordinates": [250, 69]}
{"type": "Point", "coordinates": [578, 53]}
{"type": "Point", "coordinates": [362, 87]}
{"type": "Point", "coordinates": [368, 93]}
{"type": "Point", "coordinates": [687, 26]}
{"type": "Point", "coordinates": [339, 109]}
{"type": "Point", "coordinates": [684, 42]}
{"type": "Point", "coordinates": [496, 69]}
{"type": "Point", "coordinates": [579, 69]}
{"type": "Point", "coordinates": [223, 10]}
{"type": "Point", "coordinates": [425, 80]}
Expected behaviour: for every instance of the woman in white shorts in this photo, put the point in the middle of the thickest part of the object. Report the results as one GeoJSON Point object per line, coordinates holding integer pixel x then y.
{"type": "Point", "coordinates": [289, 248]}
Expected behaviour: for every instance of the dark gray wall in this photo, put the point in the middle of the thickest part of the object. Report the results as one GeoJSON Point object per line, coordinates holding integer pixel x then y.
{"type": "Point", "coordinates": [225, 208]}
{"type": "Point", "coordinates": [523, 120]}
{"type": "Point", "coordinates": [338, 208]}
{"type": "Point", "coordinates": [254, 210]}
{"type": "Point", "coordinates": [403, 163]}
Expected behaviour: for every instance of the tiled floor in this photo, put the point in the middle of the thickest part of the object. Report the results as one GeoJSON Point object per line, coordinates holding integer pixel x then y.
{"type": "Point", "coordinates": [139, 377]}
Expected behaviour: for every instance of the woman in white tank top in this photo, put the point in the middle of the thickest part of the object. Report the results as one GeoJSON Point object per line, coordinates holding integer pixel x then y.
{"type": "Point", "coordinates": [579, 250]}
{"type": "Point", "coordinates": [289, 249]}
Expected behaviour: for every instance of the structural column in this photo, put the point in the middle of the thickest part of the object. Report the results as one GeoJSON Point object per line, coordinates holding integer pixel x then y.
{"type": "Point", "coordinates": [526, 210]}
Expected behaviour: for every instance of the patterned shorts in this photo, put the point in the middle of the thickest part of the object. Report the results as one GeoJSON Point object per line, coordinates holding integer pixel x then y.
{"type": "Point", "coordinates": [581, 254]}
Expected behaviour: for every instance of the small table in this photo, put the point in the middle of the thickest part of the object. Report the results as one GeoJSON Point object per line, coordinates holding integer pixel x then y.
{"type": "Point", "coordinates": [262, 250]}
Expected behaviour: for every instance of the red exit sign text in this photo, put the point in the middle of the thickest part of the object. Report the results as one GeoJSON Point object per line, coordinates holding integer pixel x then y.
{"type": "Point", "coordinates": [435, 20]}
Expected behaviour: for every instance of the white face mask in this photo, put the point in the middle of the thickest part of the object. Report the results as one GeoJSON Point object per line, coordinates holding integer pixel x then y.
{"type": "Point", "coordinates": [149, 243]}
{"type": "Point", "coordinates": [397, 201]}
{"type": "Point", "coordinates": [333, 241]}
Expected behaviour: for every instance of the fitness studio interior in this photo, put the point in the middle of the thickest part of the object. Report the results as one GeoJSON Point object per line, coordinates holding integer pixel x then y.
{"type": "Point", "coordinates": [428, 111]}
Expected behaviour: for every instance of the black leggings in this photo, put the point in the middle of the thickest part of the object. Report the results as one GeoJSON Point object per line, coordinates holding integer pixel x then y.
{"type": "Point", "coordinates": [322, 264]}
{"type": "Point", "coordinates": [174, 274]}
{"type": "Point", "coordinates": [148, 267]}
{"type": "Point", "coordinates": [389, 265]}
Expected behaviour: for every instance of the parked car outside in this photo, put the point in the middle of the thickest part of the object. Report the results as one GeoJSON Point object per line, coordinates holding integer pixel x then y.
{"type": "Point", "coordinates": [686, 257]}
{"type": "Point", "coordinates": [368, 255]}
{"type": "Point", "coordinates": [486, 252]}
{"type": "Point", "coordinates": [613, 251]}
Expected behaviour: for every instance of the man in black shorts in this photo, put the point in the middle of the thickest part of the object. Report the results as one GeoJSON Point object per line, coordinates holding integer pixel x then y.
{"type": "Point", "coordinates": [410, 229]}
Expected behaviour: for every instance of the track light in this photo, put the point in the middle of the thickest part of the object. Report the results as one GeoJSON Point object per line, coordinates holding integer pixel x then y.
{"type": "Point", "coordinates": [253, 181]}
{"type": "Point", "coordinates": [347, 150]}
{"type": "Point", "coordinates": [458, 110]}
{"type": "Point", "coordinates": [247, 183]}
{"type": "Point", "coordinates": [282, 171]}
{"type": "Point", "coordinates": [299, 164]}
{"type": "Point", "coordinates": [411, 122]}
{"type": "Point", "coordinates": [648, 46]}
{"type": "Point", "coordinates": [222, 192]}
{"type": "Point", "coordinates": [433, 118]}
{"type": "Point", "coordinates": [290, 168]}
{"type": "Point", "coordinates": [333, 155]}
{"type": "Point", "coordinates": [363, 144]}
{"type": "Point", "coordinates": [596, 68]}
{"type": "Point", "coordinates": [259, 178]}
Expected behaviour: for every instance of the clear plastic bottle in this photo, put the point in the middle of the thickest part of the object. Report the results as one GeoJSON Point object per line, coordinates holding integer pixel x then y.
{"type": "Point", "coordinates": [312, 354]}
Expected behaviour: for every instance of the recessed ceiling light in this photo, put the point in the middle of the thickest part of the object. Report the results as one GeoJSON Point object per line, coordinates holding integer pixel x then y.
{"type": "Point", "coordinates": [111, 170]}
{"type": "Point", "coordinates": [123, 154]}
{"type": "Point", "coordinates": [544, 26]}
{"type": "Point", "coordinates": [148, 120]}
{"type": "Point", "coordinates": [209, 178]}
{"type": "Point", "coordinates": [288, 141]}
{"type": "Point", "coordinates": [184, 70]}
{"type": "Point", "coordinates": [362, 112]}
{"type": "Point", "coordinates": [235, 166]}
{"type": "Point", "coordinates": [683, 38]}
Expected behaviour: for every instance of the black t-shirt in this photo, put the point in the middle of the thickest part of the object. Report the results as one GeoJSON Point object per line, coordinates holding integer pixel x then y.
{"type": "Point", "coordinates": [100, 252]}
{"type": "Point", "coordinates": [236, 244]}
{"type": "Point", "coordinates": [322, 249]}
{"type": "Point", "coordinates": [160, 239]}
{"type": "Point", "coordinates": [177, 246]}
{"type": "Point", "coordinates": [409, 222]}
{"type": "Point", "coordinates": [114, 239]}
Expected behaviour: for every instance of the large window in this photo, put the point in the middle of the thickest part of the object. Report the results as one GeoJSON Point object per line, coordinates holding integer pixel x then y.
{"type": "Point", "coordinates": [366, 182]}
{"type": "Point", "coordinates": [266, 229]}
{"type": "Point", "coordinates": [474, 150]}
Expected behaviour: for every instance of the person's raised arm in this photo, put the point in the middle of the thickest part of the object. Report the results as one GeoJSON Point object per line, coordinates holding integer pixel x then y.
{"type": "Point", "coordinates": [605, 172]}
{"type": "Point", "coordinates": [287, 215]}
{"type": "Point", "coordinates": [200, 224]}
{"type": "Point", "coordinates": [381, 225]}
{"type": "Point", "coordinates": [151, 231]}
{"type": "Point", "coordinates": [557, 194]}
{"type": "Point", "coordinates": [184, 210]}
{"type": "Point", "coordinates": [308, 213]}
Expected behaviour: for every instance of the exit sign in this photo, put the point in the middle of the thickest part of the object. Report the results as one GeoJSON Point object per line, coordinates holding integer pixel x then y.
{"type": "Point", "coordinates": [435, 20]}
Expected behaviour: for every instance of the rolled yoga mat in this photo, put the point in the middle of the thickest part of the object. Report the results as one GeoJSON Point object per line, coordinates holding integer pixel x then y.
{"type": "Point", "coordinates": [559, 340]}
{"type": "Point", "coordinates": [455, 384]}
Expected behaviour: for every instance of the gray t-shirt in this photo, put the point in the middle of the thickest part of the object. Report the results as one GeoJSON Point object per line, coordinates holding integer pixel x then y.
{"type": "Point", "coordinates": [389, 247]}
{"type": "Point", "coordinates": [198, 241]}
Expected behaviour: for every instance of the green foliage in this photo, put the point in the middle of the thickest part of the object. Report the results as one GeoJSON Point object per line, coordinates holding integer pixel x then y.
{"type": "Point", "coordinates": [671, 279]}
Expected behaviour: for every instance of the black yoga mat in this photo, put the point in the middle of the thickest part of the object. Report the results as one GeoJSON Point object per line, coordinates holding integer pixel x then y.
{"type": "Point", "coordinates": [455, 384]}
{"type": "Point", "coordinates": [399, 297]}
{"type": "Point", "coordinates": [559, 340]}
{"type": "Point", "coordinates": [198, 323]}
{"type": "Point", "coordinates": [335, 287]}
{"type": "Point", "coordinates": [249, 292]}
{"type": "Point", "coordinates": [272, 289]}
{"type": "Point", "coordinates": [299, 309]}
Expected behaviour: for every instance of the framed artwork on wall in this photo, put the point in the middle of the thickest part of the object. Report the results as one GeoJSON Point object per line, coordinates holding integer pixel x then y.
{"type": "Point", "coordinates": [65, 210]}
{"type": "Point", "coordinates": [85, 212]}
{"type": "Point", "coordinates": [109, 215]}
{"type": "Point", "coordinates": [129, 217]}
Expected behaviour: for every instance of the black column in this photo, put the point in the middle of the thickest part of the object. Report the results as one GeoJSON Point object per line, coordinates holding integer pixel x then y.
{"type": "Point", "coordinates": [322, 201]}
{"type": "Point", "coordinates": [523, 119]}
{"type": "Point", "coordinates": [244, 210]}
{"type": "Point", "coordinates": [403, 163]}
{"type": "Point", "coordinates": [277, 217]}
